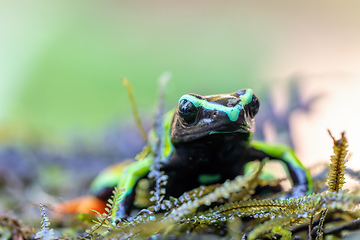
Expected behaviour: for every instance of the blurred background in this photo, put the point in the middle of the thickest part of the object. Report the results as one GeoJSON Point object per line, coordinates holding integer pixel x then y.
{"type": "Point", "coordinates": [61, 63]}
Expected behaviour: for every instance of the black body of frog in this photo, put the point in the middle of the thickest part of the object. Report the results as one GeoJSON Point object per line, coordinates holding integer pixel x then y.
{"type": "Point", "coordinates": [208, 141]}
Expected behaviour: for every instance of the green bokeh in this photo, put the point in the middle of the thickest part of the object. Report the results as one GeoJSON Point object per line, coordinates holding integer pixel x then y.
{"type": "Point", "coordinates": [74, 81]}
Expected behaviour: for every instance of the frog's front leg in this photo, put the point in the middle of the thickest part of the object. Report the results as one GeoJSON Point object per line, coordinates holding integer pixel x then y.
{"type": "Point", "coordinates": [298, 174]}
{"type": "Point", "coordinates": [128, 181]}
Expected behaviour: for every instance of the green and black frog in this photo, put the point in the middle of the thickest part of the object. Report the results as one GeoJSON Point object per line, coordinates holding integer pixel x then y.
{"type": "Point", "coordinates": [207, 140]}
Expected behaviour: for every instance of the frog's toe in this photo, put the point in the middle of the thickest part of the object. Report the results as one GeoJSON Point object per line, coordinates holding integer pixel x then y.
{"type": "Point", "coordinates": [82, 204]}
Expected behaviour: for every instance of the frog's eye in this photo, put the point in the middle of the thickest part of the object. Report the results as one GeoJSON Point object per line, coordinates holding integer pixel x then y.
{"type": "Point", "coordinates": [187, 111]}
{"type": "Point", "coordinates": [254, 106]}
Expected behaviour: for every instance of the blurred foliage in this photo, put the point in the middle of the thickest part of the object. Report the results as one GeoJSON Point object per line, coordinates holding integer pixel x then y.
{"type": "Point", "coordinates": [70, 81]}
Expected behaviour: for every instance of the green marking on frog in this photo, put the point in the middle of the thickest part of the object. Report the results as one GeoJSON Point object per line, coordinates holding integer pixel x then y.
{"type": "Point", "coordinates": [247, 97]}
{"type": "Point", "coordinates": [288, 157]}
{"type": "Point", "coordinates": [232, 112]}
{"type": "Point", "coordinates": [209, 178]}
{"type": "Point", "coordinates": [217, 132]}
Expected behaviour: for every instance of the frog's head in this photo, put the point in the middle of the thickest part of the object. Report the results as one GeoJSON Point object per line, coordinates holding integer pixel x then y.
{"type": "Point", "coordinates": [200, 116]}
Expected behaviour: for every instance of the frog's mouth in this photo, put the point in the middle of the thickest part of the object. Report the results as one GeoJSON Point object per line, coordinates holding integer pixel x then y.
{"type": "Point", "coordinates": [210, 126]}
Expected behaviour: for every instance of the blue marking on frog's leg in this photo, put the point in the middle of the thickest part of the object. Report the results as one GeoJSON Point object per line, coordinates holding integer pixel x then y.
{"type": "Point", "coordinates": [298, 174]}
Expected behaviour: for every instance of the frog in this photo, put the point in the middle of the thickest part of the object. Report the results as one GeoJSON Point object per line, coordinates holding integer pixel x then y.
{"type": "Point", "coordinates": [206, 140]}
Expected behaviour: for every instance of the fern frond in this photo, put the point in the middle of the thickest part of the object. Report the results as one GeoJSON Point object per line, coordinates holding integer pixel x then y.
{"type": "Point", "coordinates": [278, 208]}
{"type": "Point", "coordinates": [283, 223]}
{"type": "Point", "coordinates": [266, 208]}
{"type": "Point", "coordinates": [167, 205]}
{"type": "Point", "coordinates": [46, 233]}
{"type": "Point", "coordinates": [142, 227]}
{"type": "Point", "coordinates": [339, 200]}
{"type": "Point", "coordinates": [336, 174]}
{"type": "Point", "coordinates": [194, 194]}
{"type": "Point", "coordinates": [102, 220]}
{"type": "Point", "coordinates": [336, 178]}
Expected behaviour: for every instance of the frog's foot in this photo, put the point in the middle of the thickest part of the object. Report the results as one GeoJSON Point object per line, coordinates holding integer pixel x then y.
{"type": "Point", "coordinates": [121, 215]}
{"type": "Point", "coordinates": [82, 204]}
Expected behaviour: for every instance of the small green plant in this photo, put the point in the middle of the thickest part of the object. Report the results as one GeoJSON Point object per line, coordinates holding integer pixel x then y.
{"type": "Point", "coordinates": [103, 220]}
{"type": "Point", "coordinates": [46, 233]}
